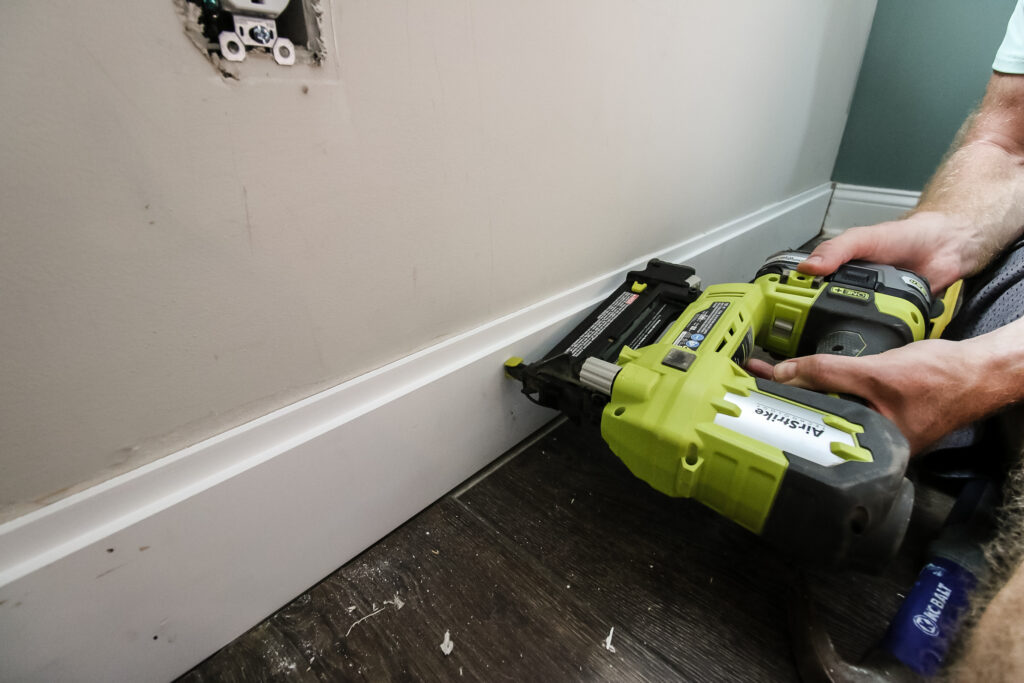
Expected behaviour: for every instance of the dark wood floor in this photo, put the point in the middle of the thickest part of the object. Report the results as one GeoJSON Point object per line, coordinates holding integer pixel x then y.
{"type": "Point", "coordinates": [558, 565]}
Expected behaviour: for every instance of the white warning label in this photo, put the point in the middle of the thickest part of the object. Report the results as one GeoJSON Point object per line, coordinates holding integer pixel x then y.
{"type": "Point", "coordinates": [606, 318]}
{"type": "Point", "coordinates": [700, 326]}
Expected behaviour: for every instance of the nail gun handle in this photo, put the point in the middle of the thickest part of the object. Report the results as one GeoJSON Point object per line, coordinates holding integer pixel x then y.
{"type": "Point", "coordinates": [851, 511]}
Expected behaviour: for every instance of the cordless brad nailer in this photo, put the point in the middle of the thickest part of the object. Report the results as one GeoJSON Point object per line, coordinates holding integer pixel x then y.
{"type": "Point", "coordinates": [660, 366]}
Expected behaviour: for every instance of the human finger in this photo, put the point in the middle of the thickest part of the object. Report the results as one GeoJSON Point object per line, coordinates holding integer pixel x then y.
{"type": "Point", "coordinates": [759, 368]}
{"type": "Point", "coordinates": [823, 372]}
{"type": "Point", "coordinates": [855, 243]}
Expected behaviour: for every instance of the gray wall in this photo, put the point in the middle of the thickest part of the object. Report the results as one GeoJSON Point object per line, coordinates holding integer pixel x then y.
{"type": "Point", "coordinates": [182, 253]}
{"type": "Point", "coordinates": [925, 69]}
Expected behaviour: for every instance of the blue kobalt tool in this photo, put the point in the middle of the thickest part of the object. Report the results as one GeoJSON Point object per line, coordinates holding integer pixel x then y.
{"type": "Point", "coordinates": [919, 636]}
{"type": "Point", "coordinates": [924, 627]}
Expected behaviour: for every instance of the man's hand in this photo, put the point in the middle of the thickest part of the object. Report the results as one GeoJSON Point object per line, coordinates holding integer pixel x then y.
{"type": "Point", "coordinates": [919, 386]}
{"type": "Point", "coordinates": [931, 244]}
{"type": "Point", "coordinates": [928, 388]}
{"type": "Point", "coordinates": [970, 211]}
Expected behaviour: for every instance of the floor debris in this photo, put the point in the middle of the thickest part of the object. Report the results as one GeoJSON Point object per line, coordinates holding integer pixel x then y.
{"type": "Point", "coordinates": [608, 641]}
{"type": "Point", "coordinates": [396, 602]}
{"type": "Point", "coordinates": [447, 645]}
{"type": "Point", "coordinates": [359, 621]}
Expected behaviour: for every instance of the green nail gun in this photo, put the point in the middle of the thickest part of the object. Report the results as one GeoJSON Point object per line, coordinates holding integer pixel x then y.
{"type": "Point", "coordinates": [660, 366]}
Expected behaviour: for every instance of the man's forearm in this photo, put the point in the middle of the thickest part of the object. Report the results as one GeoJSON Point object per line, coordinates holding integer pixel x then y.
{"type": "Point", "coordinates": [979, 188]}
{"type": "Point", "coordinates": [997, 361]}
{"type": "Point", "coordinates": [980, 192]}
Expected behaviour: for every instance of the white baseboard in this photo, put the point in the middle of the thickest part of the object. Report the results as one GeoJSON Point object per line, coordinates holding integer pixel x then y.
{"type": "Point", "coordinates": [854, 205]}
{"type": "Point", "coordinates": [144, 576]}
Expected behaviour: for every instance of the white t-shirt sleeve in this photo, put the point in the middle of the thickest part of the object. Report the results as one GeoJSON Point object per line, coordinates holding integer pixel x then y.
{"type": "Point", "coordinates": [1010, 57]}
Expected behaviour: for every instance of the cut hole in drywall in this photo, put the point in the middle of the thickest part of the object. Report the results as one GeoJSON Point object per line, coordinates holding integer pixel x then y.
{"type": "Point", "coordinates": [230, 32]}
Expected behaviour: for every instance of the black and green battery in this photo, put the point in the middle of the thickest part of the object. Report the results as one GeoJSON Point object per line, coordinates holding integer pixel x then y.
{"type": "Point", "coordinates": [661, 367]}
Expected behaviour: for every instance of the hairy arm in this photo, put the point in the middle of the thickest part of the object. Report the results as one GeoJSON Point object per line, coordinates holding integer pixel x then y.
{"type": "Point", "coordinates": [995, 649]}
{"type": "Point", "coordinates": [971, 209]}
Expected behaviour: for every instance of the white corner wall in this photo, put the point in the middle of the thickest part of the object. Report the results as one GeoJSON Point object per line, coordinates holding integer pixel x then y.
{"type": "Point", "coordinates": [855, 205]}
{"type": "Point", "coordinates": [185, 262]}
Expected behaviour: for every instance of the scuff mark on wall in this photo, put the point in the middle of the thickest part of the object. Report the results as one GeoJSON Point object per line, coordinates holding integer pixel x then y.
{"type": "Point", "coordinates": [248, 217]}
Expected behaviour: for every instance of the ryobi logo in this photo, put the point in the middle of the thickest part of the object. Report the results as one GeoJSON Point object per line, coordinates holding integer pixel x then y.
{"type": "Point", "coordinates": [852, 293]}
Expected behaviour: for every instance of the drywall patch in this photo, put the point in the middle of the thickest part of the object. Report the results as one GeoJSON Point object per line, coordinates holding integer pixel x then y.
{"type": "Point", "coordinates": [298, 39]}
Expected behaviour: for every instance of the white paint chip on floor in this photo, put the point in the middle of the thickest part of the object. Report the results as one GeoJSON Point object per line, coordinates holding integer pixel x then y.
{"type": "Point", "coordinates": [608, 641]}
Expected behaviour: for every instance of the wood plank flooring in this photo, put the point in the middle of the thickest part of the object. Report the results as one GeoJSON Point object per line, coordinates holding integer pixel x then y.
{"type": "Point", "coordinates": [559, 565]}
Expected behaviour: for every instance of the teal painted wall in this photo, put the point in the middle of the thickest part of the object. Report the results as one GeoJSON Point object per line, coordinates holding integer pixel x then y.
{"type": "Point", "coordinates": [925, 68]}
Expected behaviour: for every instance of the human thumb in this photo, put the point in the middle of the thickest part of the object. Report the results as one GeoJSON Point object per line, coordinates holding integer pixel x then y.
{"type": "Point", "coordinates": [785, 371]}
{"type": "Point", "coordinates": [821, 372]}
{"type": "Point", "coordinates": [829, 255]}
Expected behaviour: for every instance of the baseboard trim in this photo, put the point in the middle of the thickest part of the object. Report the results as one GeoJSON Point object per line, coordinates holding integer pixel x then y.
{"type": "Point", "coordinates": [884, 196]}
{"type": "Point", "coordinates": [854, 205]}
{"type": "Point", "coordinates": [143, 576]}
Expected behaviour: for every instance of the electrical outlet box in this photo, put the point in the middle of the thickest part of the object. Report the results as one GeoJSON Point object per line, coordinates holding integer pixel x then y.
{"type": "Point", "coordinates": [231, 30]}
